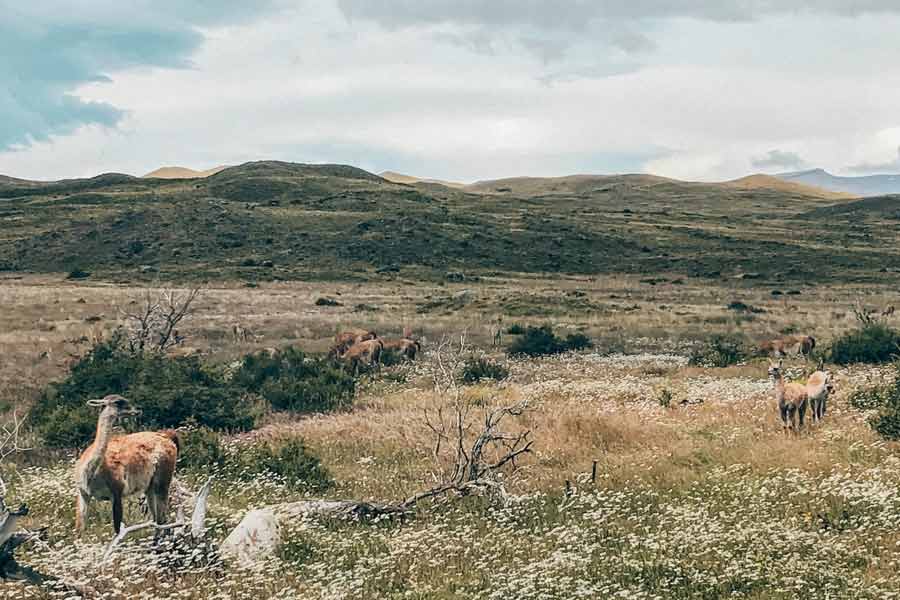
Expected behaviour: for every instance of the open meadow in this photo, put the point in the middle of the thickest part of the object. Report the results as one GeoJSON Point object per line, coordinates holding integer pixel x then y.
{"type": "Point", "coordinates": [698, 491]}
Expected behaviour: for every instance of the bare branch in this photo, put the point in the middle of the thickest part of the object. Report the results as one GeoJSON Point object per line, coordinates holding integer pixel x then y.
{"type": "Point", "coordinates": [154, 326]}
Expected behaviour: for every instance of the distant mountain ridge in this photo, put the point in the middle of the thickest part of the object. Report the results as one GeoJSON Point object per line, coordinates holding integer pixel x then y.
{"type": "Point", "coordinates": [758, 181]}
{"type": "Point", "coordinates": [866, 185]}
{"type": "Point", "coordinates": [395, 177]}
{"type": "Point", "coordinates": [788, 183]}
{"type": "Point", "coordinates": [182, 173]}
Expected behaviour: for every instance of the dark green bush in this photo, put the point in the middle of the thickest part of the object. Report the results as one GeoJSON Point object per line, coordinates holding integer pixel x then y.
{"type": "Point", "coordinates": [721, 350]}
{"type": "Point", "coordinates": [291, 380]}
{"type": "Point", "coordinates": [201, 448]}
{"type": "Point", "coordinates": [78, 274]}
{"type": "Point", "coordinates": [739, 306]}
{"type": "Point", "coordinates": [578, 341]}
{"type": "Point", "coordinates": [289, 459]}
{"type": "Point", "coordinates": [874, 343]}
{"type": "Point", "coordinates": [169, 391]}
{"type": "Point", "coordinates": [477, 368]}
{"type": "Point", "coordinates": [390, 358]}
{"type": "Point", "coordinates": [515, 329]}
{"type": "Point", "coordinates": [868, 398]}
{"type": "Point", "coordinates": [541, 341]}
{"type": "Point", "coordinates": [887, 421]}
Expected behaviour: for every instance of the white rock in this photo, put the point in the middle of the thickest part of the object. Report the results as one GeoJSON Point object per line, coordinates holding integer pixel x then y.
{"type": "Point", "coordinates": [256, 537]}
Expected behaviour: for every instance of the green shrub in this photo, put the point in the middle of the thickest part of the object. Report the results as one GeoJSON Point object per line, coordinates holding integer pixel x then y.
{"type": "Point", "coordinates": [870, 343]}
{"type": "Point", "coordinates": [578, 341]}
{"type": "Point", "coordinates": [665, 398]}
{"type": "Point", "coordinates": [515, 329]}
{"type": "Point", "coordinates": [739, 306]}
{"type": "Point", "coordinates": [720, 350]}
{"type": "Point", "coordinates": [477, 368]}
{"type": "Point", "coordinates": [201, 448]}
{"type": "Point", "coordinates": [291, 380]}
{"type": "Point", "coordinates": [541, 341]}
{"type": "Point", "coordinates": [169, 391]}
{"type": "Point", "coordinates": [391, 358]}
{"type": "Point", "coordinates": [289, 459]}
{"type": "Point", "coordinates": [887, 421]}
{"type": "Point", "coordinates": [868, 398]}
{"type": "Point", "coordinates": [78, 274]}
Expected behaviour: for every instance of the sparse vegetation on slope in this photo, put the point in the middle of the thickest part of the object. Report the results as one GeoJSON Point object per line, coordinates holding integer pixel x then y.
{"type": "Point", "coordinates": [270, 220]}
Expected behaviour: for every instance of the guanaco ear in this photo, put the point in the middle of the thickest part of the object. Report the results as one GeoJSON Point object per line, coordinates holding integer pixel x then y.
{"type": "Point", "coordinates": [96, 402]}
{"type": "Point", "coordinates": [780, 363]}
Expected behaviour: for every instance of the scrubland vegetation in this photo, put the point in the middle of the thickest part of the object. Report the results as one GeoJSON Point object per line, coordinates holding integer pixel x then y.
{"type": "Point", "coordinates": [702, 495]}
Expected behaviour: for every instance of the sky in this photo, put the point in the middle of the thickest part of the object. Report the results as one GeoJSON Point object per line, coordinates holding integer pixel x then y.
{"type": "Point", "coordinates": [454, 89]}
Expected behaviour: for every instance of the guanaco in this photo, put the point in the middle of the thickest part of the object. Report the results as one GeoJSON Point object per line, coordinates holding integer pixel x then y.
{"type": "Point", "coordinates": [819, 386]}
{"type": "Point", "coordinates": [791, 398]}
{"type": "Point", "coordinates": [115, 467]}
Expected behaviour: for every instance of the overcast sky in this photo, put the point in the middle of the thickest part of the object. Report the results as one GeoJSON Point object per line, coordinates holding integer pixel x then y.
{"type": "Point", "coordinates": [456, 89]}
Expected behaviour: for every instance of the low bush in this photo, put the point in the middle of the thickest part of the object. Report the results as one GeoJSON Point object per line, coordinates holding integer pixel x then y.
{"type": "Point", "coordinates": [391, 358]}
{"type": "Point", "coordinates": [327, 302]}
{"type": "Point", "coordinates": [664, 398]}
{"type": "Point", "coordinates": [478, 368]}
{"type": "Point", "coordinates": [541, 341]}
{"type": "Point", "coordinates": [515, 329]}
{"type": "Point", "coordinates": [291, 380]}
{"type": "Point", "coordinates": [887, 399]}
{"type": "Point", "coordinates": [201, 448]}
{"type": "Point", "coordinates": [169, 391]}
{"type": "Point", "coordinates": [289, 459]}
{"type": "Point", "coordinates": [78, 274]}
{"type": "Point", "coordinates": [739, 306]}
{"type": "Point", "coordinates": [868, 398]}
{"type": "Point", "coordinates": [873, 343]}
{"type": "Point", "coordinates": [721, 350]}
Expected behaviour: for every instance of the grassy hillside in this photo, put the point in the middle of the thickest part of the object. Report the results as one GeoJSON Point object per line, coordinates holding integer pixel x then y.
{"type": "Point", "coordinates": [274, 220]}
{"type": "Point", "coordinates": [773, 183]}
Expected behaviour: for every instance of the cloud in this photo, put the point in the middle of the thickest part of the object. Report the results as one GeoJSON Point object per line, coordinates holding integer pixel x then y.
{"type": "Point", "coordinates": [579, 15]}
{"type": "Point", "coordinates": [460, 98]}
{"type": "Point", "coordinates": [779, 159]}
{"type": "Point", "coordinates": [892, 166]}
{"type": "Point", "coordinates": [50, 49]}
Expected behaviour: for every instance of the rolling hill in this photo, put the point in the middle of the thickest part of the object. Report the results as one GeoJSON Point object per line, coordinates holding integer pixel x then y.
{"type": "Point", "coordinates": [182, 173]}
{"type": "Point", "coordinates": [869, 185]}
{"type": "Point", "coordinates": [760, 181]}
{"type": "Point", "coordinates": [273, 220]}
{"type": "Point", "coordinates": [412, 180]}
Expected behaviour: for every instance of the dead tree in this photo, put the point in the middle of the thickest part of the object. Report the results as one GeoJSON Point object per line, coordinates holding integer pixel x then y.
{"type": "Point", "coordinates": [153, 326]}
{"type": "Point", "coordinates": [471, 445]}
{"type": "Point", "coordinates": [192, 534]}
{"type": "Point", "coordinates": [11, 537]}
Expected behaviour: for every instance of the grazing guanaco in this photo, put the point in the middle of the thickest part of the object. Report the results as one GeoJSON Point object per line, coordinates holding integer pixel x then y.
{"type": "Point", "coordinates": [791, 398]}
{"type": "Point", "coordinates": [344, 340]}
{"type": "Point", "coordinates": [364, 353]}
{"type": "Point", "coordinates": [115, 467]}
{"type": "Point", "coordinates": [801, 345]}
{"type": "Point", "coordinates": [404, 347]}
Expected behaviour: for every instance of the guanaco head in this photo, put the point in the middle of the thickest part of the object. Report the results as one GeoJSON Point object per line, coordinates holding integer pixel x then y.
{"type": "Point", "coordinates": [775, 369]}
{"type": "Point", "coordinates": [114, 406]}
{"type": "Point", "coordinates": [829, 382]}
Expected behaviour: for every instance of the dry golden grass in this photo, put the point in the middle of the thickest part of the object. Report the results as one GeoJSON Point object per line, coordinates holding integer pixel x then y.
{"type": "Point", "coordinates": [582, 408]}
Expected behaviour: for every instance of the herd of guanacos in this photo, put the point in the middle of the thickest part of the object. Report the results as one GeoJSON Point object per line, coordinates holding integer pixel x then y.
{"type": "Point", "coordinates": [116, 466]}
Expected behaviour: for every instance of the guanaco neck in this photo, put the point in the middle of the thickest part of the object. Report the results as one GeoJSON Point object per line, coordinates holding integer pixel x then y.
{"type": "Point", "coordinates": [779, 386]}
{"type": "Point", "coordinates": [101, 441]}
